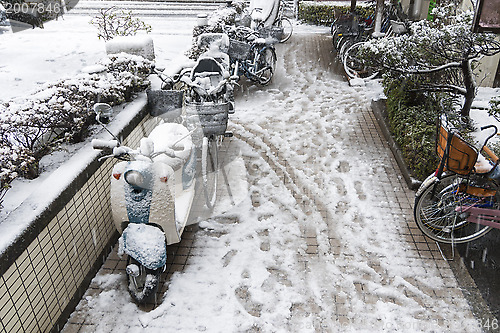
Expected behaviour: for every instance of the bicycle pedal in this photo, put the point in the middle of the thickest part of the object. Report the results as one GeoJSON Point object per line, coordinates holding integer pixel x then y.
{"type": "Point", "coordinates": [228, 134]}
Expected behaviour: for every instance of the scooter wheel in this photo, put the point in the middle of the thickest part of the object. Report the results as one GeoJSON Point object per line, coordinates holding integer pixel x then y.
{"type": "Point", "coordinates": [142, 282]}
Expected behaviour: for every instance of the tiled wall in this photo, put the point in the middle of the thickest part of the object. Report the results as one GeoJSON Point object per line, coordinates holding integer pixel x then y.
{"type": "Point", "coordinates": [43, 285]}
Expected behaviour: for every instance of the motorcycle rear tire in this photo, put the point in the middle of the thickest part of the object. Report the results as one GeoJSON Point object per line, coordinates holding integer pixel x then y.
{"type": "Point", "coordinates": [143, 288]}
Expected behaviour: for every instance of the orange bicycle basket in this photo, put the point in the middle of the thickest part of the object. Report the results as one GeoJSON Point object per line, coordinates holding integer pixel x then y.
{"type": "Point", "coordinates": [456, 154]}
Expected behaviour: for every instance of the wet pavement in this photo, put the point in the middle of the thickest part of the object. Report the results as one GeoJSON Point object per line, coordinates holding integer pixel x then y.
{"type": "Point", "coordinates": [482, 260]}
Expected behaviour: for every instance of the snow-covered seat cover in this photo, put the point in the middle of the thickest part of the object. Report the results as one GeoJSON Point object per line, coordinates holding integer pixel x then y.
{"type": "Point", "coordinates": [482, 164]}
{"type": "Point", "coordinates": [164, 135]}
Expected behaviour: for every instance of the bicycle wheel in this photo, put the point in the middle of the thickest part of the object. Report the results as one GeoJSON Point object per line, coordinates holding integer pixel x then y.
{"type": "Point", "coordinates": [287, 26]}
{"type": "Point", "coordinates": [265, 63]}
{"type": "Point", "coordinates": [435, 213]}
{"type": "Point", "coordinates": [210, 169]}
{"type": "Point", "coordinates": [333, 29]}
{"type": "Point", "coordinates": [354, 65]}
{"type": "Point", "coordinates": [344, 46]}
{"type": "Point", "coordinates": [338, 41]}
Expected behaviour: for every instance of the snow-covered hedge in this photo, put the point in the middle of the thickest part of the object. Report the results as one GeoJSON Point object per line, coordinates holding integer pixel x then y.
{"type": "Point", "coordinates": [495, 107]}
{"type": "Point", "coordinates": [324, 13]}
{"type": "Point", "coordinates": [32, 126]}
{"type": "Point", "coordinates": [411, 116]}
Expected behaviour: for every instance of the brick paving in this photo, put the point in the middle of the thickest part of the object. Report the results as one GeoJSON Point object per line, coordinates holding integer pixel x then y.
{"type": "Point", "coordinates": [324, 249]}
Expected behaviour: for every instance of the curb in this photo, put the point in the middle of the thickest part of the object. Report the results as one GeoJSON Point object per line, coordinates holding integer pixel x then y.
{"type": "Point", "coordinates": [380, 112]}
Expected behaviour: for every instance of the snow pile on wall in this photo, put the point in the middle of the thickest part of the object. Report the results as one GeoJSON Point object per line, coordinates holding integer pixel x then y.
{"type": "Point", "coordinates": [137, 45]}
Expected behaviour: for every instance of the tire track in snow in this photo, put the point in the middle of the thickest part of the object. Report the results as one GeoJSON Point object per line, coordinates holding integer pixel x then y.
{"type": "Point", "coordinates": [312, 207]}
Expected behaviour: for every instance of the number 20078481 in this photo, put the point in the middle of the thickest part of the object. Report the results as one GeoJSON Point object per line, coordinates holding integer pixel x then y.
{"type": "Point", "coordinates": [30, 7]}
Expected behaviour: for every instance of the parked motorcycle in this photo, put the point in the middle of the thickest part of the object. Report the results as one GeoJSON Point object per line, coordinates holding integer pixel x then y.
{"type": "Point", "coordinates": [153, 186]}
{"type": "Point", "coordinates": [152, 191]}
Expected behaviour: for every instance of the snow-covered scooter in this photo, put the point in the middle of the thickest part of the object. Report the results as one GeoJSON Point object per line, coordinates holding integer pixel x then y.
{"type": "Point", "coordinates": [152, 190]}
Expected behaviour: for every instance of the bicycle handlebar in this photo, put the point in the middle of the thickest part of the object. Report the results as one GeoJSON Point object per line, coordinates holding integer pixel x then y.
{"type": "Point", "coordinates": [492, 135]}
{"type": "Point", "coordinates": [489, 126]}
{"type": "Point", "coordinates": [163, 77]}
{"type": "Point", "coordinates": [487, 150]}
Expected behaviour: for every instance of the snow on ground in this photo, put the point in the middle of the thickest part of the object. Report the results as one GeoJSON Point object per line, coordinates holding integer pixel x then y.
{"type": "Point", "coordinates": [251, 270]}
{"type": "Point", "coordinates": [65, 47]}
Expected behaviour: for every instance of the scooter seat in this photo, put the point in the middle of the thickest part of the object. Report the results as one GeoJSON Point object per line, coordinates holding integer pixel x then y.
{"type": "Point", "coordinates": [164, 136]}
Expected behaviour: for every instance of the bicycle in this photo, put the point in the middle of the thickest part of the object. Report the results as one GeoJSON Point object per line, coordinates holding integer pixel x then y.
{"type": "Point", "coordinates": [460, 202]}
{"type": "Point", "coordinates": [348, 29]}
{"type": "Point", "coordinates": [283, 23]}
{"type": "Point", "coordinates": [252, 56]}
{"type": "Point", "coordinates": [207, 101]}
{"type": "Point", "coordinates": [353, 35]}
{"type": "Point", "coordinates": [281, 29]}
{"type": "Point", "coordinates": [356, 66]}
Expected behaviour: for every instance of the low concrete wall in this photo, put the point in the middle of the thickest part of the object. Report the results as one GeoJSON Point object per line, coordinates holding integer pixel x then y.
{"type": "Point", "coordinates": [47, 268]}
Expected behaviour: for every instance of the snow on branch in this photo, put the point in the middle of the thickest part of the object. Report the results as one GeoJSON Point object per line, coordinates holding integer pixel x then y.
{"type": "Point", "coordinates": [111, 22]}
{"type": "Point", "coordinates": [443, 51]}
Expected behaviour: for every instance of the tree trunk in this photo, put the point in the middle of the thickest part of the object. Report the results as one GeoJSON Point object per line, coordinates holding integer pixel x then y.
{"type": "Point", "coordinates": [378, 17]}
{"type": "Point", "coordinates": [470, 86]}
{"type": "Point", "coordinates": [353, 5]}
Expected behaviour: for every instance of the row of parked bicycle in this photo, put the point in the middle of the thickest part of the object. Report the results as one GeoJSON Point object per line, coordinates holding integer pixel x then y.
{"type": "Point", "coordinates": [460, 201]}
{"type": "Point", "coordinates": [351, 30]}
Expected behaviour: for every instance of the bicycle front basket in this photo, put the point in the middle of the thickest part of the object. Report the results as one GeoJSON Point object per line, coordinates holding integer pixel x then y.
{"type": "Point", "coordinates": [238, 50]}
{"type": "Point", "coordinates": [398, 27]}
{"type": "Point", "coordinates": [459, 156]}
{"type": "Point", "coordinates": [210, 117]}
{"type": "Point", "coordinates": [272, 32]}
{"type": "Point", "coordinates": [167, 103]}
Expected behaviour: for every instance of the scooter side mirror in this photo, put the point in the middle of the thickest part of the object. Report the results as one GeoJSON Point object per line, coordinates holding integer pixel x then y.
{"type": "Point", "coordinates": [103, 112]}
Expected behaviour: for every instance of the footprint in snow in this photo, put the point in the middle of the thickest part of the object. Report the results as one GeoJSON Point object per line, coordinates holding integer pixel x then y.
{"type": "Point", "coordinates": [265, 245]}
{"type": "Point", "coordinates": [341, 189]}
{"type": "Point", "coordinates": [358, 186]}
{"type": "Point", "coordinates": [226, 260]}
{"type": "Point", "coordinates": [341, 208]}
{"type": "Point", "coordinates": [344, 167]}
{"type": "Point", "coordinates": [244, 296]}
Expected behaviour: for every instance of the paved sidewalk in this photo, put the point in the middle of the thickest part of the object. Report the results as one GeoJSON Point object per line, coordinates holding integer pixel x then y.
{"type": "Point", "coordinates": [359, 262]}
